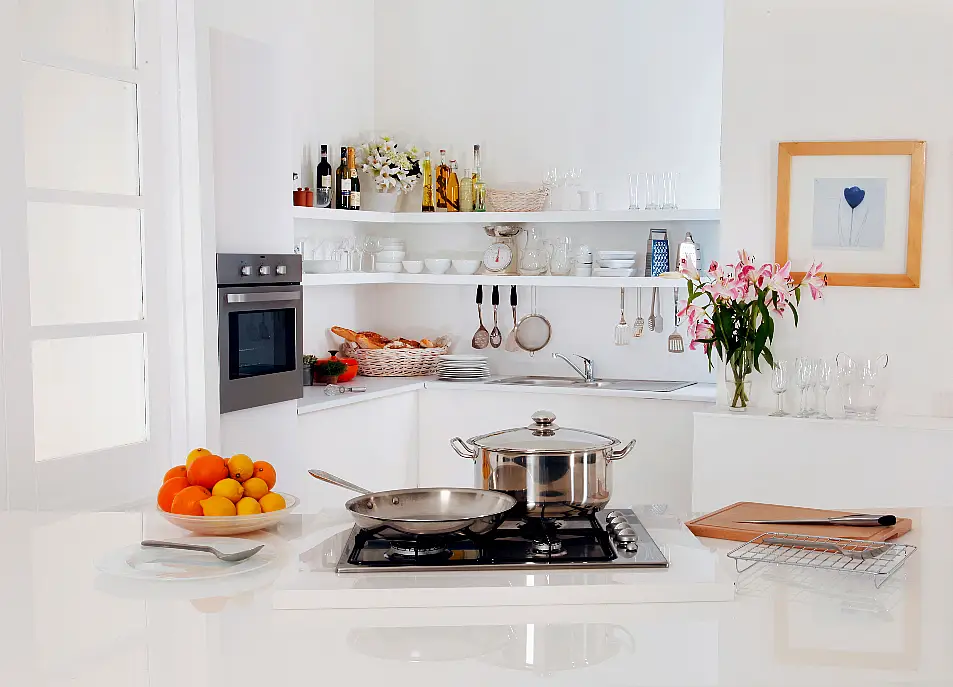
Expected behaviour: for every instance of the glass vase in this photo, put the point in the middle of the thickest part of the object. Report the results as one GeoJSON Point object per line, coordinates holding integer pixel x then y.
{"type": "Point", "coordinates": [738, 381]}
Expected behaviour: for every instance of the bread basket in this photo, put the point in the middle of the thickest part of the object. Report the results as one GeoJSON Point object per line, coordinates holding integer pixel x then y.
{"type": "Point", "coordinates": [509, 200]}
{"type": "Point", "coordinates": [396, 362]}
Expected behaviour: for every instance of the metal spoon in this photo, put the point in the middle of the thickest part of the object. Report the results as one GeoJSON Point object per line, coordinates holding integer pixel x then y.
{"type": "Point", "coordinates": [496, 336]}
{"type": "Point", "coordinates": [652, 312]}
{"type": "Point", "coordinates": [481, 339]}
{"type": "Point", "coordinates": [511, 344]}
{"type": "Point", "coordinates": [639, 325]}
{"type": "Point", "coordinates": [230, 557]}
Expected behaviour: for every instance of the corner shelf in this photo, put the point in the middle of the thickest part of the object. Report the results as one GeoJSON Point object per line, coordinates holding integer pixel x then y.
{"type": "Point", "coordinates": [350, 278]}
{"type": "Point", "coordinates": [553, 216]}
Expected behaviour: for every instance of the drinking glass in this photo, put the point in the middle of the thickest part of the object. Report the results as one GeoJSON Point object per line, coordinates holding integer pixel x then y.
{"type": "Point", "coordinates": [652, 191]}
{"type": "Point", "coordinates": [825, 377]}
{"type": "Point", "coordinates": [669, 182]}
{"type": "Point", "coordinates": [635, 186]}
{"type": "Point", "coordinates": [803, 374]}
{"type": "Point", "coordinates": [367, 247]}
{"type": "Point", "coordinates": [780, 377]}
{"type": "Point", "coordinates": [812, 387]}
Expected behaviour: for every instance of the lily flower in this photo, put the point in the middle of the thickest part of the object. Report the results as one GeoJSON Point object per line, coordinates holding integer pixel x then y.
{"type": "Point", "coordinates": [814, 280]}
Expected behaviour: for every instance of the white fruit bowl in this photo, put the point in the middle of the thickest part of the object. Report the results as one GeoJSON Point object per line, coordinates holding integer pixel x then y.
{"type": "Point", "coordinates": [225, 525]}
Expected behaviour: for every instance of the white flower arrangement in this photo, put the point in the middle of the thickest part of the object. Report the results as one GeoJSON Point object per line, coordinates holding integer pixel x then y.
{"type": "Point", "coordinates": [392, 169]}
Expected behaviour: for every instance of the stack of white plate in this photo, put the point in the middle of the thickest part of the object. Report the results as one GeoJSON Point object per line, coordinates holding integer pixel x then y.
{"type": "Point", "coordinates": [614, 263]}
{"type": "Point", "coordinates": [463, 368]}
{"type": "Point", "coordinates": [391, 253]}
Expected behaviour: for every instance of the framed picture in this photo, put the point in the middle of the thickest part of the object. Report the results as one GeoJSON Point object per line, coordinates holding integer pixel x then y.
{"type": "Point", "coordinates": [856, 206]}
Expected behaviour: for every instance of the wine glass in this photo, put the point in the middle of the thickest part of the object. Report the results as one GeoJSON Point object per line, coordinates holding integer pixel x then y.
{"type": "Point", "coordinates": [779, 384]}
{"type": "Point", "coordinates": [803, 374]}
{"type": "Point", "coordinates": [825, 377]}
{"type": "Point", "coordinates": [367, 247]}
{"type": "Point", "coordinates": [812, 387]}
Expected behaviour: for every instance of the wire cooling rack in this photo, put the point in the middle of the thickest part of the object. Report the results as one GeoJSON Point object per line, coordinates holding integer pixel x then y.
{"type": "Point", "coordinates": [878, 559]}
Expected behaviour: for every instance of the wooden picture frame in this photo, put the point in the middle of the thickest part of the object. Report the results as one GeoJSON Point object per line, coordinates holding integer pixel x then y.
{"type": "Point", "coordinates": [916, 150]}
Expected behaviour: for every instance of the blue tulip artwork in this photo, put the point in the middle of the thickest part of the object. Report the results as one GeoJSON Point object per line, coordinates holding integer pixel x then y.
{"type": "Point", "coordinates": [849, 213]}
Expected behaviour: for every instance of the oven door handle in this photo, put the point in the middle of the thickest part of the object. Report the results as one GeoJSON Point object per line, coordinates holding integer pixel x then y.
{"type": "Point", "coordinates": [262, 297]}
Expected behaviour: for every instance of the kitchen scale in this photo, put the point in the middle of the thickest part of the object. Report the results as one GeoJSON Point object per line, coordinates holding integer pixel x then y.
{"type": "Point", "coordinates": [502, 256]}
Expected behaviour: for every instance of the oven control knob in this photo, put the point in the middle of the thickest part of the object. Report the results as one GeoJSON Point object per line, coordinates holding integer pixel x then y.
{"type": "Point", "coordinates": [624, 532]}
{"type": "Point", "coordinates": [264, 270]}
{"type": "Point", "coordinates": [246, 270]}
{"type": "Point", "coordinates": [626, 538]}
{"type": "Point", "coordinates": [281, 269]}
{"type": "Point", "coordinates": [632, 546]}
{"type": "Point", "coordinates": [617, 525]}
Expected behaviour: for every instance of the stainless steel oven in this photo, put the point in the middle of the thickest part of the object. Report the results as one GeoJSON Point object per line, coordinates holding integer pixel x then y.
{"type": "Point", "coordinates": [259, 329]}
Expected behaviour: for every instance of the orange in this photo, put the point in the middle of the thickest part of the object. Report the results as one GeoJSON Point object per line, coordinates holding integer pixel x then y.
{"type": "Point", "coordinates": [195, 453]}
{"type": "Point", "coordinates": [266, 472]}
{"type": "Point", "coordinates": [168, 490]}
{"type": "Point", "coordinates": [205, 471]}
{"type": "Point", "coordinates": [271, 502]}
{"type": "Point", "coordinates": [177, 471]}
{"type": "Point", "coordinates": [255, 488]}
{"type": "Point", "coordinates": [240, 467]}
{"type": "Point", "coordinates": [188, 501]}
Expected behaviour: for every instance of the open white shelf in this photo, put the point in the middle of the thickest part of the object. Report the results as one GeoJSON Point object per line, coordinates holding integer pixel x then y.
{"type": "Point", "coordinates": [345, 278]}
{"type": "Point", "coordinates": [563, 217]}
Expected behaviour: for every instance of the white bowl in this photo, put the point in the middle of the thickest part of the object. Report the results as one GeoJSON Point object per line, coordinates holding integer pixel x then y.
{"type": "Point", "coordinates": [391, 255]}
{"type": "Point", "coordinates": [413, 266]}
{"type": "Point", "coordinates": [321, 266]}
{"type": "Point", "coordinates": [615, 255]}
{"type": "Point", "coordinates": [466, 266]}
{"type": "Point", "coordinates": [393, 267]}
{"type": "Point", "coordinates": [437, 265]}
{"type": "Point", "coordinates": [617, 263]}
{"type": "Point", "coordinates": [612, 272]}
{"type": "Point", "coordinates": [224, 525]}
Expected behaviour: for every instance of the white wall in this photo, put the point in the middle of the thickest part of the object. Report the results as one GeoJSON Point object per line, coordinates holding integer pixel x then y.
{"type": "Point", "coordinates": [852, 69]}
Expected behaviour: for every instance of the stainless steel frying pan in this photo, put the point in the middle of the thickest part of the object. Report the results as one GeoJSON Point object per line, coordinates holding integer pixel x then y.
{"type": "Point", "coordinates": [423, 512]}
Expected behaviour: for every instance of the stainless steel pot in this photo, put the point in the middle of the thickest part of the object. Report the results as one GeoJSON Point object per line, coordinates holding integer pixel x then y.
{"type": "Point", "coordinates": [551, 471]}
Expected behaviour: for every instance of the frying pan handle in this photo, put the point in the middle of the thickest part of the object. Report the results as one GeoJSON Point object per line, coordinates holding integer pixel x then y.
{"type": "Point", "coordinates": [623, 452]}
{"type": "Point", "coordinates": [463, 449]}
{"type": "Point", "coordinates": [336, 481]}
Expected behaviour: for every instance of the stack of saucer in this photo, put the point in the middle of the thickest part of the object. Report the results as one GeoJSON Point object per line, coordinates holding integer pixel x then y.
{"type": "Point", "coordinates": [463, 368]}
{"type": "Point", "coordinates": [614, 263]}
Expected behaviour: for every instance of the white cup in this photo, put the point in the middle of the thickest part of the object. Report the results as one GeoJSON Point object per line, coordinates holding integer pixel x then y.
{"type": "Point", "coordinates": [587, 199]}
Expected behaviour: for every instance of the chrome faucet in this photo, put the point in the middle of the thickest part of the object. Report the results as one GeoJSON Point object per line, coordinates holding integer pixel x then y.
{"type": "Point", "coordinates": [586, 371]}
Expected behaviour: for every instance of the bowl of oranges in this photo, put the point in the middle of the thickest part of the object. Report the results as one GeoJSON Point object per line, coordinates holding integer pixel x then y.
{"type": "Point", "coordinates": [215, 496]}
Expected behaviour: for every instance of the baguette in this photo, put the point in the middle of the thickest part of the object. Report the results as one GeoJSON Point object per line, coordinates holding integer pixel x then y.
{"type": "Point", "coordinates": [344, 333]}
{"type": "Point", "coordinates": [367, 343]}
{"type": "Point", "coordinates": [410, 343]}
{"type": "Point", "coordinates": [375, 337]}
{"type": "Point", "coordinates": [427, 343]}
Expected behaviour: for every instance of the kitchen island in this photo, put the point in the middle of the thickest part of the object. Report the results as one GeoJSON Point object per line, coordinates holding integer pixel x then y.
{"type": "Point", "coordinates": [66, 624]}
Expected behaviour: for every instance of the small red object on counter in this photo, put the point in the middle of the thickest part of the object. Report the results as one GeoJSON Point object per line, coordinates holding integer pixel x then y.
{"type": "Point", "coordinates": [308, 197]}
{"type": "Point", "coordinates": [298, 196]}
{"type": "Point", "coordinates": [351, 363]}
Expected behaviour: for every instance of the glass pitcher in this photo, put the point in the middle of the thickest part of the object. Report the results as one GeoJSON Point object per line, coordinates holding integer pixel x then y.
{"type": "Point", "coordinates": [862, 384]}
{"type": "Point", "coordinates": [534, 258]}
{"type": "Point", "coordinates": [560, 257]}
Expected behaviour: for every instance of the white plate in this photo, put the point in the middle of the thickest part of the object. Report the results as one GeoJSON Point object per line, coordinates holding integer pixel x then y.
{"type": "Point", "coordinates": [614, 264]}
{"type": "Point", "coordinates": [136, 562]}
{"type": "Point", "coordinates": [222, 525]}
{"type": "Point", "coordinates": [615, 255]}
{"type": "Point", "coordinates": [462, 357]}
{"type": "Point", "coordinates": [606, 272]}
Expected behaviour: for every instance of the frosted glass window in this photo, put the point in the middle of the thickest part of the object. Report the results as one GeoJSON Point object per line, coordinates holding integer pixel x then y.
{"type": "Point", "coordinates": [96, 30]}
{"type": "Point", "coordinates": [80, 131]}
{"type": "Point", "coordinates": [85, 264]}
{"type": "Point", "coordinates": [88, 394]}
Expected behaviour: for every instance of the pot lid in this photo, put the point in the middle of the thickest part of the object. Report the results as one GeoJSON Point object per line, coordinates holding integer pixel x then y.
{"type": "Point", "coordinates": [543, 435]}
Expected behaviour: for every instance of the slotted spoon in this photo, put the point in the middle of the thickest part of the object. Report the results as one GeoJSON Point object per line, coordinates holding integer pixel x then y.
{"type": "Point", "coordinates": [652, 312]}
{"type": "Point", "coordinates": [622, 331]}
{"type": "Point", "coordinates": [511, 344]}
{"type": "Point", "coordinates": [676, 344]}
{"type": "Point", "coordinates": [481, 339]}
{"type": "Point", "coordinates": [496, 336]}
{"type": "Point", "coordinates": [638, 327]}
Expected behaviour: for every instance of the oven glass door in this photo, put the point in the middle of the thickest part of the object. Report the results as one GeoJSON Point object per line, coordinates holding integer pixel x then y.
{"type": "Point", "coordinates": [260, 343]}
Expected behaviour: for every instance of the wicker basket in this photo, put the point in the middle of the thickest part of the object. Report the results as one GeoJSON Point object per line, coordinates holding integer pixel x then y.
{"type": "Point", "coordinates": [501, 200]}
{"type": "Point", "coordinates": [397, 362]}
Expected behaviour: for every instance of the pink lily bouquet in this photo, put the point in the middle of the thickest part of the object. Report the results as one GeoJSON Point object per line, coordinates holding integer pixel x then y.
{"type": "Point", "coordinates": [731, 311]}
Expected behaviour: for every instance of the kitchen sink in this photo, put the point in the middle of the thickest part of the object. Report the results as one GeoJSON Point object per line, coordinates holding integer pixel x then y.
{"type": "Point", "coordinates": [615, 384]}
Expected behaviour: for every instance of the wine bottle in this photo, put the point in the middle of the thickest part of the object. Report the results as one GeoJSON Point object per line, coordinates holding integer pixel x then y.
{"type": "Point", "coordinates": [322, 181]}
{"type": "Point", "coordinates": [343, 182]}
{"type": "Point", "coordinates": [453, 189]}
{"type": "Point", "coordinates": [479, 188]}
{"type": "Point", "coordinates": [354, 199]}
{"type": "Point", "coordinates": [443, 178]}
{"type": "Point", "coordinates": [427, 204]}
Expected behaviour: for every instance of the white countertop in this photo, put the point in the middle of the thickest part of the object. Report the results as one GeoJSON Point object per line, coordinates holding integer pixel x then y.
{"type": "Point", "coordinates": [65, 623]}
{"type": "Point", "coordinates": [380, 387]}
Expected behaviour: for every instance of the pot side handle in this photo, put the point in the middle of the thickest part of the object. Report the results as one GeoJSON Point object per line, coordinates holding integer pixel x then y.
{"type": "Point", "coordinates": [624, 451]}
{"type": "Point", "coordinates": [463, 449]}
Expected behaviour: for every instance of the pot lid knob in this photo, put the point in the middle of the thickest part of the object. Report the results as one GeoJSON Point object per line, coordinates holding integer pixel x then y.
{"type": "Point", "coordinates": [544, 419]}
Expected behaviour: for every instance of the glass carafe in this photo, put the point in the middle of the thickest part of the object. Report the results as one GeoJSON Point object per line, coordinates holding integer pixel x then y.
{"type": "Point", "coordinates": [534, 258]}
{"type": "Point", "coordinates": [862, 385]}
{"type": "Point", "coordinates": [560, 258]}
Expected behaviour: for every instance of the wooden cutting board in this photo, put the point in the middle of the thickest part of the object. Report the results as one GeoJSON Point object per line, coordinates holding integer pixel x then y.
{"type": "Point", "coordinates": [724, 523]}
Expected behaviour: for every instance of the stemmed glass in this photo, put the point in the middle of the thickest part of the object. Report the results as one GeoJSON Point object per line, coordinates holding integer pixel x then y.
{"type": "Point", "coordinates": [825, 377]}
{"type": "Point", "coordinates": [367, 246]}
{"type": "Point", "coordinates": [803, 374]}
{"type": "Point", "coordinates": [779, 384]}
